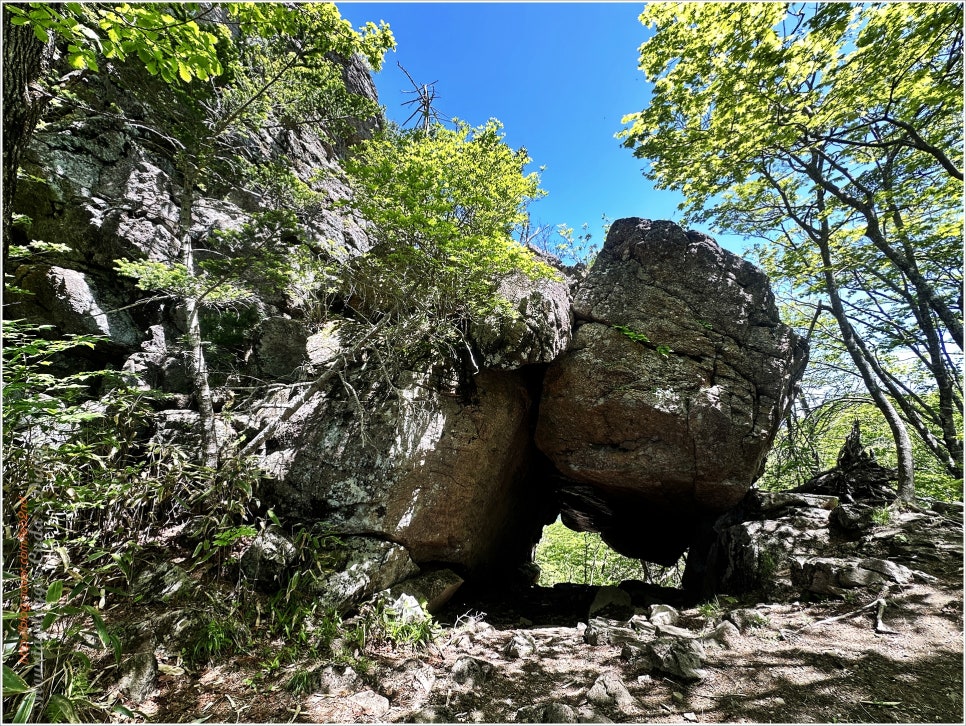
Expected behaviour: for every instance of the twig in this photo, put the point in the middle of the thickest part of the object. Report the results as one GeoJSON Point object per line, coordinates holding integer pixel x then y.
{"type": "Point", "coordinates": [881, 627]}
{"type": "Point", "coordinates": [252, 447]}
{"type": "Point", "coordinates": [880, 603]}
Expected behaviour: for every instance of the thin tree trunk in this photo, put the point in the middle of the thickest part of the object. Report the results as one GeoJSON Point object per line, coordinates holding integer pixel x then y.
{"type": "Point", "coordinates": [906, 467]}
{"type": "Point", "coordinates": [918, 412]}
{"type": "Point", "coordinates": [25, 60]}
{"type": "Point", "coordinates": [199, 366]}
{"type": "Point", "coordinates": [821, 236]}
{"type": "Point", "coordinates": [904, 263]}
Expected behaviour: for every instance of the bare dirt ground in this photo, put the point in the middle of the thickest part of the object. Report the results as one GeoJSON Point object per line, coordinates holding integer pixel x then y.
{"type": "Point", "coordinates": [795, 664]}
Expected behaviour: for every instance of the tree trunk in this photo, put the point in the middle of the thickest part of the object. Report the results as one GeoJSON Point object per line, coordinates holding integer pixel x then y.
{"type": "Point", "coordinates": [906, 468]}
{"type": "Point", "coordinates": [821, 235]}
{"type": "Point", "coordinates": [199, 366]}
{"type": "Point", "coordinates": [903, 262]}
{"type": "Point", "coordinates": [25, 60]}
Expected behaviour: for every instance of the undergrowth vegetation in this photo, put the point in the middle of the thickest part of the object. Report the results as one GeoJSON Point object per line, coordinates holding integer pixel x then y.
{"type": "Point", "coordinates": [90, 492]}
{"type": "Point", "coordinates": [95, 499]}
{"type": "Point", "coordinates": [564, 555]}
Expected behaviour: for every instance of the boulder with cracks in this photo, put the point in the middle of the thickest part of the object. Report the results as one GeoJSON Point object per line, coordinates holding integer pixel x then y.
{"type": "Point", "coordinates": [662, 410]}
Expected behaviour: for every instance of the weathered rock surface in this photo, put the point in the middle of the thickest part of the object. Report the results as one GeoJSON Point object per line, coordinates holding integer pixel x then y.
{"type": "Point", "coordinates": [834, 575]}
{"type": "Point", "coordinates": [163, 583]}
{"type": "Point", "coordinates": [433, 588]}
{"type": "Point", "coordinates": [73, 302]}
{"type": "Point", "coordinates": [370, 565]}
{"type": "Point", "coordinates": [675, 656]}
{"type": "Point", "coordinates": [791, 543]}
{"type": "Point", "coordinates": [540, 329]}
{"type": "Point", "coordinates": [523, 645]}
{"type": "Point", "coordinates": [267, 559]}
{"type": "Point", "coordinates": [371, 703]}
{"type": "Point", "coordinates": [139, 673]}
{"type": "Point", "coordinates": [611, 602]}
{"type": "Point", "coordinates": [665, 404]}
{"type": "Point", "coordinates": [609, 691]}
{"type": "Point", "coordinates": [471, 672]}
{"type": "Point", "coordinates": [103, 190]}
{"type": "Point", "coordinates": [446, 478]}
{"type": "Point", "coordinates": [755, 541]}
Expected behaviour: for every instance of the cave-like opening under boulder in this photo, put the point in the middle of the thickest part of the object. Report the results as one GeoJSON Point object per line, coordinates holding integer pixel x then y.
{"type": "Point", "coordinates": [653, 421]}
{"type": "Point", "coordinates": [642, 414]}
{"type": "Point", "coordinates": [659, 415]}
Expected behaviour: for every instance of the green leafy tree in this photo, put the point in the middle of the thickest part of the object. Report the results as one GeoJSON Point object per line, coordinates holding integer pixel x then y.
{"type": "Point", "coordinates": [445, 205]}
{"type": "Point", "coordinates": [833, 132]}
{"type": "Point", "coordinates": [86, 35]}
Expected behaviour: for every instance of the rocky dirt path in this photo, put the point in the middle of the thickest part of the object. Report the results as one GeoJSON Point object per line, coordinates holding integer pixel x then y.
{"type": "Point", "coordinates": [892, 653]}
{"type": "Point", "coordinates": [783, 665]}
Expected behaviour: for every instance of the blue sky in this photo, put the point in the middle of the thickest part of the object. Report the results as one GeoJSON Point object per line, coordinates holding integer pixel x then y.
{"type": "Point", "coordinates": [559, 75]}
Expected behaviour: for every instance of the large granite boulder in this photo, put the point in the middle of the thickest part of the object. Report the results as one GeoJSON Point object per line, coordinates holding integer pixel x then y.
{"type": "Point", "coordinates": [447, 474]}
{"type": "Point", "coordinates": [661, 412]}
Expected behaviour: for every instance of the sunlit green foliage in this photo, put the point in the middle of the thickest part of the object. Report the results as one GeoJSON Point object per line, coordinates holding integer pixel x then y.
{"type": "Point", "coordinates": [242, 263]}
{"type": "Point", "coordinates": [750, 88]}
{"type": "Point", "coordinates": [832, 132]}
{"type": "Point", "coordinates": [443, 204]}
{"type": "Point", "coordinates": [564, 555]}
{"type": "Point", "coordinates": [180, 41]}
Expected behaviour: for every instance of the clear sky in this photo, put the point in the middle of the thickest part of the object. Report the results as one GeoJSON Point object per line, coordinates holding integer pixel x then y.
{"type": "Point", "coordinates": [559, 75]}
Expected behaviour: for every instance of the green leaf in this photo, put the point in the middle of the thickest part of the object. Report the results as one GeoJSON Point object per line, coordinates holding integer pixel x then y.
{"type": "Point", "coordinates": [12, 682]}
{"type": "Point", "coordinates": [76, 61]}
{"type": "Point", "coordinates": [26, 707]}
{"type": "Point", "coordinates": [60, 709]}
{"type": "Point", "coordinates": [41, 34]}
{"type": "Point", "coordinates": [123, 710]}
{"type": "Point", "coordinates": [54, 592]}
{"type": "Point", "coordinates": [100, 626]}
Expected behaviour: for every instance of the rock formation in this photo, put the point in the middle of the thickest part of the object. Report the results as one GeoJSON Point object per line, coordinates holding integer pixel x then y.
{"type": "Point", "coordinates": [785, 545]}
{"type": "Point", "coordinates": [665, 405]}
{"type": "Point", "coordinates": [638, 401]}
{"type": "Point", "coordinates": [444, 475]}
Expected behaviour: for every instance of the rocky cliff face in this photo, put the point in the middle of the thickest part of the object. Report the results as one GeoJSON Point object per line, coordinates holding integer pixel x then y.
{"type": "Point", "coordinates": [640, 407]}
